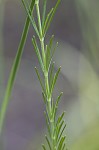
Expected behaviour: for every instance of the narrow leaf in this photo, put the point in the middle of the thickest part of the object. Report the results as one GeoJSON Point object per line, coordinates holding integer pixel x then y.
{"type": "Point", "coordinates": [37, 52]}
{"type": "Point", "coordinates": [54, 50]}
{"type": "Point", "coordinates": [44, 97]}
{"type": "Point", "coordinates": [51, 57]}
{"type": "Point", "coordinates": [58, 99]}
{"type": "Point", "coordinates": [46, 22]}
{"type": "Point", "coordinates": [44, 11]}
{"type": "Point", "coordinates": [54, 80]}
{"type": "Point", "coordinates": [61, 143]}
{"type": "Point", "coordinates": [48, 52]}
{"type": "Point", "coordinates": [15, 67]}
{"type": "Point", "coordinates": [51, 74]}
{"type": "Point", "coordinates": [62, 132]}
{"type": "Point", "coordinates": [47, 123]}
{"type": "Point", "coordinates": [52, 15]}
{"type": "Point", "coordinates": [53, 105]}
{"type": "Point", "coordinates": [48, 142]}
{"type": "Point", "coordinates": [59, 128]}
{"type": "Point", "coordinates": [32, 20]}
{"type": "Point", "coordinates": [64, 147]}
{"type": "Point", "coordinates": [38, 75]}
{"type": "Point", "coordinates": [60, 118]}
{"type": "Point", "coordinates": [57, 102]}
{"type": "Point", "coordinates": [43, 146]}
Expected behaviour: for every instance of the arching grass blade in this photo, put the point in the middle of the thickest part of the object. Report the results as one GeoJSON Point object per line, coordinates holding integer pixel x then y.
{"type": "Point", "coordinates": [14, 69]}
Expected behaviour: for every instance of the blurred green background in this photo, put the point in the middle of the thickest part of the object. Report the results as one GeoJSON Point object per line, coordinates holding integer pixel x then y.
{"type": "Point", "coordinates": [76, 28]}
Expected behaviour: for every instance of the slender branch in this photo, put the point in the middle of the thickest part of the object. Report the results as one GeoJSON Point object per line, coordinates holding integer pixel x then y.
{"type": "Point", "coordinates": [49, 99]}
{"type": "Point", "coordinates": [40, 30]}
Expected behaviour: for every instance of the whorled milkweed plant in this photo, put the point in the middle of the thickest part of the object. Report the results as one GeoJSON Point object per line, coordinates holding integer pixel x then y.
{"type": "Point", "coordinates": [56, 125]}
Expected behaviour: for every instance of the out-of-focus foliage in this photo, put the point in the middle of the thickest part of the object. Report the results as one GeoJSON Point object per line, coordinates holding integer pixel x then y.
{"type": "Point", "coordinates": [89, 139]}
{"type": "Point", "coordinates": [82, 71]}
{"type": "Point", "coordinates": [88, 12]}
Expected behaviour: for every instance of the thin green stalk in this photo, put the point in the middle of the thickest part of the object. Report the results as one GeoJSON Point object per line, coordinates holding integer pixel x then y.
{"type": "Point", "coordinates": [45, 71]}
{"type": "Point", "coordinates": [40, 30]}
{"type": "Point", "coordinates": [46, 78]}
{"type": "Point", "coordinates": [14, 70]}
{"type": "Point", "coordinates": [2, 59]}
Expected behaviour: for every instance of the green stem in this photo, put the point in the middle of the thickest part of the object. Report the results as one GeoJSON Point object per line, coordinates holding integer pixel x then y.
{"type": "Point", "coordinates": [14, 70]}
{"type": "Point", "coordinates": [49, 96]}
{"type": "Point", "coordinates": [40, 29]}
